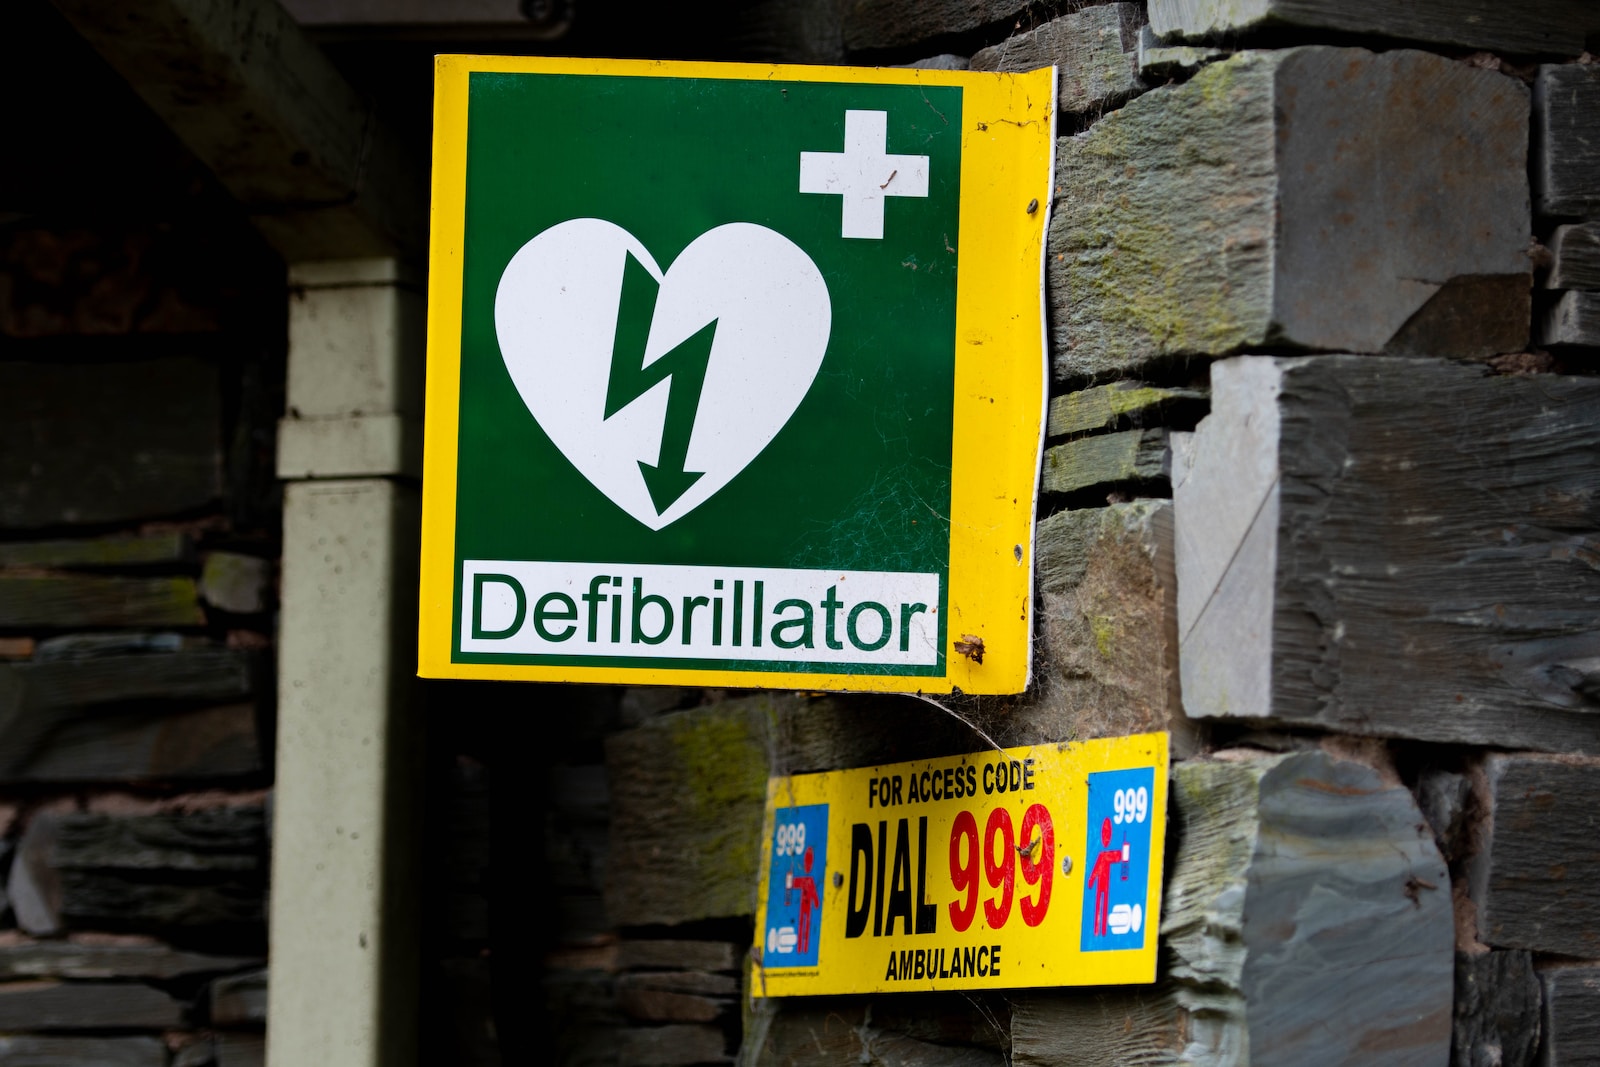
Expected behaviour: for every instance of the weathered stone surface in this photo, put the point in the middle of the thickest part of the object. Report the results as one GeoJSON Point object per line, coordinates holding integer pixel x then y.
{"type": "Point", "coordinates": [670, 954]}
{"type": "Point", "coordinates": [235, 582]}
{"type": "Point", "coordinates": [142, 716]}
{"type": "Point", "coordinates": [1307, 921]}
{"type": "Point", "coordinates": [1107, 406]}
{"type": "Point", "coordinates": [1575, 320]}
{"type": "Point", "coordinates": [194, 871]}
{"type": "Point", "coordinates": [240, 999]}
{"type": "Point", "coordinates": [787, 31]}
{"type": "Point", "coordinates": [1107, 459]}
{"type": "Point", "coordinates": [1566, 146]}
{"type": "Point", "coordinates": [86, 1006]}
{"type": "Point", "coordinates": [692, 785]}
{"type": "Point", "coordinates": [34, 1051]}
{"type": "Point", "coordinates": [1571, 1029]}
{"type": "Point", "coordinates": [93, 552]}
{"type": "Point", "coordinates": [1497, 1010]}
{"type": "Point", "coordinates": [1107, 662]}
{"type": "Point", "coordinates": [1393, 547]}
{"type": "Point", "coordinates": [1575, 251]}
{"type": "Point", "coordinates": [672, 1046]}
{"type": "Point", "coordinates": [1157, 60]}
{"type": "Point", "coordinates": [107, 442]}
{"type": "Point", "coordinates": [872, 24]}
{"type": "Point", "coordinates": [1258, 203]}
{"type": "Point", "coordinates": [1095, 50]}
{"type": "Point", "coordinates": [940, 1030]}
{"type": "Point", "coordinates": [62, 601]}
{"type": "Point", "coordinates": [1547, 27]}
{"type": "Point", "coordinates": [1535, 876]}
{"type": "Point", "coordinates": [114, 281]}
{"type": "Point", "coordinates": [108, 958]}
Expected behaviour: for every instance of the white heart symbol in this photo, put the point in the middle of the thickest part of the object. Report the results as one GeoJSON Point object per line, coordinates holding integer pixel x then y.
{"type": "Point", "coordinates": [556, 314]}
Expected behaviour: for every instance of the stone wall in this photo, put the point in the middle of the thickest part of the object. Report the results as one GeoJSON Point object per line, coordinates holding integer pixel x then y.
{"type": "Point", "coordinates": [1319, 497]}
{"type": "Point", "coordinates": [141, 376]}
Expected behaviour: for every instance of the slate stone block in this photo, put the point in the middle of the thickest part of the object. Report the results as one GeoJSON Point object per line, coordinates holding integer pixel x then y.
{"type": "Point", "coordinates": [1531, 27]}
{"type": "Point", "coordinates": [1259, 203]}
{"type": "Point", "coordinates": [1095, 49]}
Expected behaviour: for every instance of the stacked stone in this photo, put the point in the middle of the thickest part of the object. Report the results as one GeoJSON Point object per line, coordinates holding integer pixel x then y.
{"type": "Point", "coordinates": [138, 538]}
{"type": "Point", "coordinates": [1312, 500]}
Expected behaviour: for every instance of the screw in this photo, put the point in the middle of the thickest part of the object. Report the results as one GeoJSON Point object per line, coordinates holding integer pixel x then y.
{"type": "Point", "coordinates": [1033, 205]}
{"type": "Point", "coordinates": [1066, 864]}
{"type": "Point", "coordinates": [838, 879]}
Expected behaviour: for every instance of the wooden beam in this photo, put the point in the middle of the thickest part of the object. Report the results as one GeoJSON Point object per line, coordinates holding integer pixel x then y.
{"type": "Point", "coordinates": [1393, 547]}
{"type": "Point", "coordinates": [244, 88]}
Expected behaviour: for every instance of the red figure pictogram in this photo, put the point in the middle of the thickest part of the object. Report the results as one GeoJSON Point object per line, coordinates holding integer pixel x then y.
{"type": "Point", "coordinates": [1100, 877]}
{"type": "Point", "coordinates": [807, 886]}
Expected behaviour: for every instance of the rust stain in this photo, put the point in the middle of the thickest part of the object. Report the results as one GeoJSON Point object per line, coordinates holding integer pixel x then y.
{"type": "Point", "coordinates": [971, 646]}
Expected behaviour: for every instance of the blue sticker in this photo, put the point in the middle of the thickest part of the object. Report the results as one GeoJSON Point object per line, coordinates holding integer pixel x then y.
{"type": "Point", "coordinates": [1117, 859]}
{"type": "Point", "coordinates": [794, 886]}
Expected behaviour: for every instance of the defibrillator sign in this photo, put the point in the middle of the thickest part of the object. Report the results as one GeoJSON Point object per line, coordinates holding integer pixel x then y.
{"type": "Point", "coordinates": [1003, 869]}
{"type": "Point", "coordinates": [735, 374]}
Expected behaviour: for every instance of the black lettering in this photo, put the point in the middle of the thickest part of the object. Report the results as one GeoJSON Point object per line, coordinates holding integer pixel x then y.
{"type": "Point", "coordinates": [919, 962]}
{"type": "Point", "coordinates": [1015, 776]}
{"type": "Point", "coordinates": [900, 880]}
{"type": "Point", "coordinates": [877, 899]}
{"type": "Point", "coordinates": [1027, 773]}
{"type": "Point", "coordinates": [983, 961]}
{"type": "Point", "coordinates": [968, 955]}
{"type": "Point", "coordinates": [988, 778]}
{"type": "Point", "coordinates": [855, 920]}
{"type": "Point", "coordinates": [889, 975]}
{"type": "Point", "coordinates": [927, 912]}
{"type": "Point", "coordinates": [883, 792]}
{"type": "Point", "coordinates": [911, 790]}
{"type": "Point", "coordinates": [872, 791]}
{"type": "Point", "coordinates": [994, 961]}
{"type": "Point", "coordinates": [972, 781]}
{"type": "Point", "coordinates": [897, 789]}
{"type": "Point", "coordinates": [943, 972]}
{"type": "Point", "coordinates": [905, 964]}
{"type": "Point", "coordinates": [924, 789]}
{"type": "Point", "coordinates": [949, 772]}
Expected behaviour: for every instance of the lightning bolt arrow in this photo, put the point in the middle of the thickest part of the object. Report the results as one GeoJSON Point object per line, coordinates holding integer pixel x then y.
{"type": "Point", "coordinates": [668, 479]}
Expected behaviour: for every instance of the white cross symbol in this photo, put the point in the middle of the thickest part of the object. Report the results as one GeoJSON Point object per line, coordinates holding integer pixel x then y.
{"type": "Point", "coordinates": [864, 173]}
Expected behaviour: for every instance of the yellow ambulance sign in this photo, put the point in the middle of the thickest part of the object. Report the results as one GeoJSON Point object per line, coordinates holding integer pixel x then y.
{"type": "Point", "coordinates": [1005, 869]}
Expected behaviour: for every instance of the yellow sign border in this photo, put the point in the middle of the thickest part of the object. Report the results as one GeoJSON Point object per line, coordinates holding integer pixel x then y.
{"type": "Point", "coordinates": [1007, 149]}
{"type": "Point", "coordinates": [1045, 956]}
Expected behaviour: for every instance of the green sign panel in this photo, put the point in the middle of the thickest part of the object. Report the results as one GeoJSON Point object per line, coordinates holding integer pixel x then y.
{"type": "Point", "coordinates": [696, 377]}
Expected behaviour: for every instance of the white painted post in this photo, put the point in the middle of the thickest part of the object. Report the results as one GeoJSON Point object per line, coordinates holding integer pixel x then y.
{"type": "Point", "coordinates": [343, 913]}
